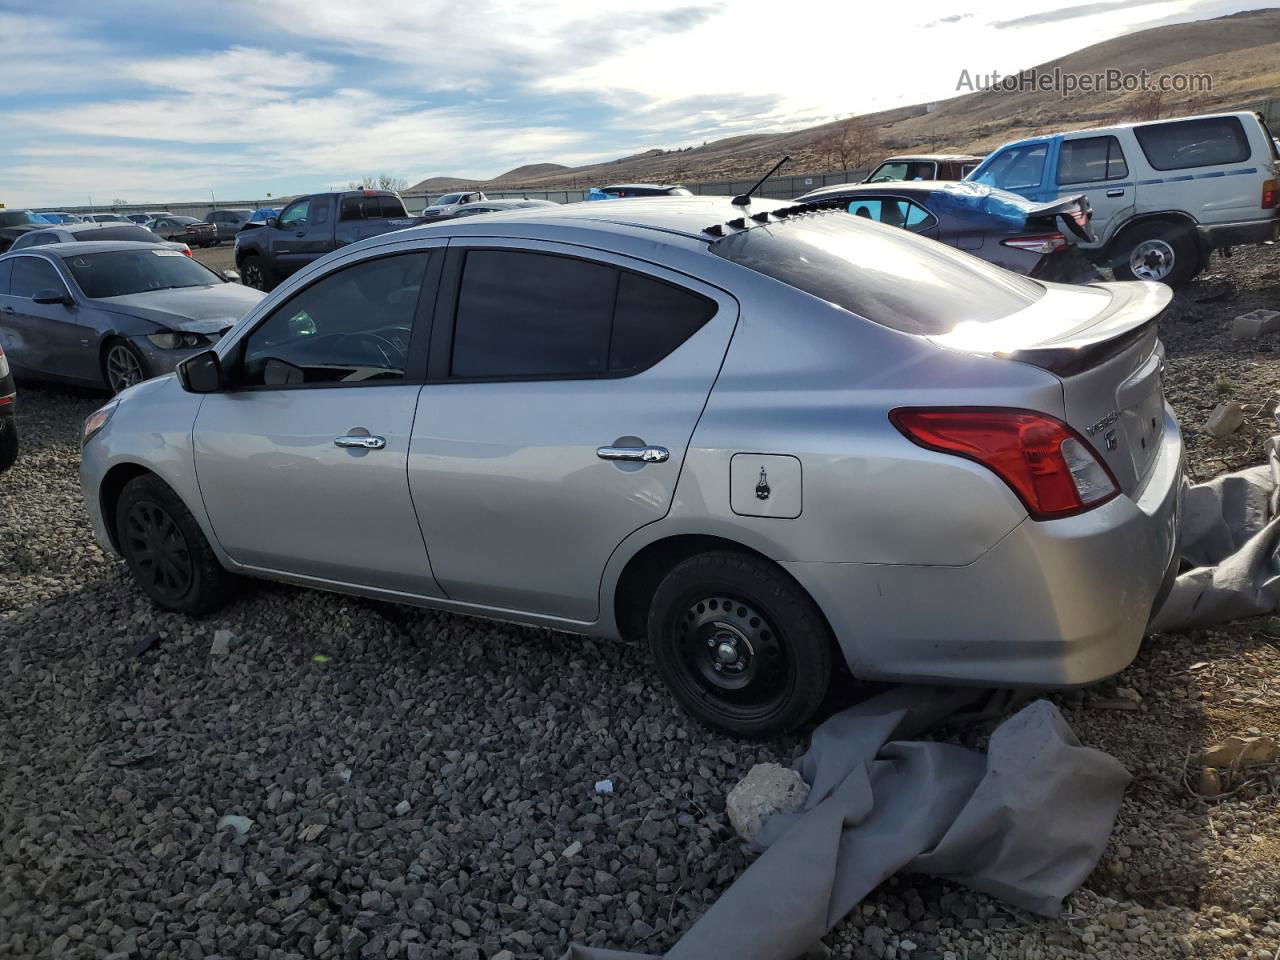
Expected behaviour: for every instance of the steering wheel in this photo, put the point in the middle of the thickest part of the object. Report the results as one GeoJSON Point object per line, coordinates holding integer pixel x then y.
{"type": "Point", "coordinates": [391, 356]}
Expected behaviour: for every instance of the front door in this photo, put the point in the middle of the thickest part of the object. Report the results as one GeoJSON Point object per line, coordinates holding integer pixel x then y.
{"type": "Point", "coordinates": [1096, 167]}
{"type": "Point", "coordinates": [302, 461]}
{"type": "Point", "coordinates": [303, 233]}
{"type": "Point", "coordinates": [562, 396]}
{"type": "Point", "coordinates": [52, 339]}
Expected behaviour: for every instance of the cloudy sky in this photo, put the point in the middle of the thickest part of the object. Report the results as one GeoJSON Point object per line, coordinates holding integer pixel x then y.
{"type": "Point", "coordinates": [159, 100]}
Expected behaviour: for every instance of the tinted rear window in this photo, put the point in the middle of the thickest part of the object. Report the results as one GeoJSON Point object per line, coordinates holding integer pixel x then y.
{"type": "Point", "coordinates": [121, 232]}
{"type": "Point", "coordinates": [1206, 142]}
{"type": "Point", "coordinates": [886, 275]}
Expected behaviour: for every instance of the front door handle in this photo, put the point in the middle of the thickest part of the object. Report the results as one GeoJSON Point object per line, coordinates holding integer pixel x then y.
{"type": "Point", "coordinates": [360, 442]}
{"type": "Point", "coordinates": [1115, 193]}
{"type": "Point", "coordinates": [637, 454]}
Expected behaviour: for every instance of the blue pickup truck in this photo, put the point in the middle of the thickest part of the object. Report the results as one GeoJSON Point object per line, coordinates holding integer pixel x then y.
{"type": "Point", "coordinates": [312, 226]}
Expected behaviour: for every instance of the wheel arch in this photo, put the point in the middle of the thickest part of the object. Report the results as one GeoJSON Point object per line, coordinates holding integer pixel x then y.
{"type": "Point", "coordinates": [109, 490]}
{"type": "Point", "coordinates": [1176, 218]}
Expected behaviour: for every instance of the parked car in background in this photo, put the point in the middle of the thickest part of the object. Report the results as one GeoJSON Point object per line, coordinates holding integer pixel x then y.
{"type": "Point", "coordinates": [263, 214]}
{"type": "Point", "coordinates": [189, 230]}
{"type": "Point", "coordinates": [111, 313]}
{"type": "Point", "coordinates": [925, 166]}
{"type": "Point", "coordinates": [61, 217]}
{"type": "Point", "coordinates": [450, 203]}
{"type": "Point", "coordinates": [106, 218]}
{"type": "Point", "coordinates": [310, 227]}
{"type": "Point", "coordinates": [620, 191]}
{"type": "Point", "coordinates": [1164, 194]}
{"type": "Point", "coordinates": [8, 417]}
{"type": "Point", "coordinates": [494, 206]}
{"type": "Point", "coordinates": [143, 218]}
{"type": "Point", "coordinates": [74, 232]}
{"type": "Point", "coordinates": [14, 223]}
{"type": "Point", "coordinates": [227, 222]}
{"type": "Point", "coordinates": [839, 440]}
{"type": "Point", "coordinates": [1035, 239]}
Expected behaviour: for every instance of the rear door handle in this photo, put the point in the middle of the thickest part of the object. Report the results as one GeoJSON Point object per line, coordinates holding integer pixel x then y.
{"type": "Point", "coordinates": [1115, 193]}
{"type": "Point", "coordinates": [360, 442]}
{"type": "Point", "coordinates": [637, 454]}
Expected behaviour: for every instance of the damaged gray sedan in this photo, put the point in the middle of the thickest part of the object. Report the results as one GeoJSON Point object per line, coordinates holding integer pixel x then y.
{"type": "Point", "coordinates": [111, 314]}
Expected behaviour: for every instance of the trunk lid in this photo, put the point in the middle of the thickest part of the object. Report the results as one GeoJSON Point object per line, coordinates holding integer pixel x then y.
{"type": "Point", "coordinates": [1101, 341]}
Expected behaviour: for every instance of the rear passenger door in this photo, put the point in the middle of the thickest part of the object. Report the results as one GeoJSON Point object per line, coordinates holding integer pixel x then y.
{"type": "Point", "coordinates": [1097, 167]}
{"type": "Point", "coordinates": [562, 393]}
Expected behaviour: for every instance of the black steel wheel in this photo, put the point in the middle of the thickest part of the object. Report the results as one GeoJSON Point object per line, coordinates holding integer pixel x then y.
{"type": "Point", "coordinates": [254, 274]}
{"type": "Point", "coordinates": [165, 549]}
{"type": "Point", "coordinates": [739, 644]}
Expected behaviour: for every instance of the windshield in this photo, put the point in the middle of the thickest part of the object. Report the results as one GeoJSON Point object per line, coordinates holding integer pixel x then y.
{"type": "Point", "coordinates": [887, 275]}
{"type": "Point", "coordinates": [904, 170]}
{"type": "Point", "coordinates": [122, 272]}
{"type": "Point", "coordinates": [16, 218]}
{"type": "Point", "coordinates": [448, 198]}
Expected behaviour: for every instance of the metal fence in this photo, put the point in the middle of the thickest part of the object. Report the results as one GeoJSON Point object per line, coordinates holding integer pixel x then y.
{"type": "Point", "coordinates": [777, 188]}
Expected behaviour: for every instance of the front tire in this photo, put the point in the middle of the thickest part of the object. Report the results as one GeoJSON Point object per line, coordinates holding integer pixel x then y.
{"type": "Point", "coordinates": [740, 645]}
{"type": "Point", "coordinates": [253, 273]}
{"type": "Point", "coordinates": [166, 551]}
{"type": "Point", "coordinates": [122, 366]}
{"type": "Point", "coordinates": [1164, 252]}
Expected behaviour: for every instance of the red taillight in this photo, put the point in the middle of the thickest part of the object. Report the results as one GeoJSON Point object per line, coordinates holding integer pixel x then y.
{"type": "Point", "coordinates": [5, 401]}
{"type": "Point", "coordinates": [1270, 194]}
{"type": "Point", "coordinates": [1050, 467]}
{"type": "Point", "coordinates": [186, 251]}
{"type": "Point", "coordinates": [1042, 243]}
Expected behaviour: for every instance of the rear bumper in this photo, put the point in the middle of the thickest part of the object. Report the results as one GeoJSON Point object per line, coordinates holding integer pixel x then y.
{"type": "Point", "coordinates": [1234, 234]}
{"type": "Point", "coordinates": [1057, 603]}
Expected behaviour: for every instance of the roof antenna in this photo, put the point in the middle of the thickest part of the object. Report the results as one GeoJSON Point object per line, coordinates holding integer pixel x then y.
{"type": "Point", "coordinates": [744, 200]}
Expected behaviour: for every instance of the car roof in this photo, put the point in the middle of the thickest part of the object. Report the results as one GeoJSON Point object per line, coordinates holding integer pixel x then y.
{"type": "Point", "coordinates": [64, 250]}
{"type": "Point", "coordinates": [641, 186]}
{"type": "Point", "coordinates": [684, 216]}
{"type": "Point", "coordinates": [905, 186]}
{"type": "Point", "coordinates": [935, 157]}
{"type": "Point", "coordinates": [1111, 128]}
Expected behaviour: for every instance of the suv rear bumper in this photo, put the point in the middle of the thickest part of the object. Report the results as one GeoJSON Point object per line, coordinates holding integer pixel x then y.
{"type": "Point", "coordinates": [1057, 603]}
{"type": "Point", "coordinates": [1215, 235]}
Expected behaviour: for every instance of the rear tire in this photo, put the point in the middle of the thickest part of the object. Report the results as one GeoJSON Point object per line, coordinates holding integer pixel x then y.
{"type": "Point", "coordinates": [1160, 251]}
{"type": "Point", "coordinates": [739, 644]}
{"type": "Point", "coordinates": [8, 442]}
{"type": "Point", "coordinates": [166, 551]}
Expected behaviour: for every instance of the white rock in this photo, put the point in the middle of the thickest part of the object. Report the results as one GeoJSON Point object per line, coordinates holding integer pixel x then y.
{"type": "Point", "coordinates": [572, 850]}
{"type": "Point", "coordinates": [239, 824]}
{"type": "Point", "coordinates": [767, 789]}
{"type": "Point", "coordinates": [403, 807]}
{"type": "Point", "coordinates": [1255, 324]}
{"type": "Point", "coordinates": [222, 640]}
{"type": "Point", "coordinates": [604, 786]}
{"type": "Point", "coordinates": [1225, 420]}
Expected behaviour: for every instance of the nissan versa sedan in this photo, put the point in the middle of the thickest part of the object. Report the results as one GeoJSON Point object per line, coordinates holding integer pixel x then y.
{"type": "Point", "coordinates": [111, 313]}
{"type": "Point", "coordinates": [758, 439]}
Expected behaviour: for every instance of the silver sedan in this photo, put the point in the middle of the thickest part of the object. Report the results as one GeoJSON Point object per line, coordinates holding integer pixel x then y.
{"type": "Point", "coordinates": [757, 439]}
{"type": "Point", "coordinates": [111, 313]}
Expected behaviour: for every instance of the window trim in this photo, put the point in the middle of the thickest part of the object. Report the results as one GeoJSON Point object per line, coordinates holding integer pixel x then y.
{"type": "Point", "coordinates": [23, 255]}
{"type": "Point", "coordinates": [1113, 144]}
{"type": "Point", "coordinates": [440, 360]}
{"type": "Point", "coordinates": [419, 337]}
{"type": "Point", "coordinates": [1140, 129]}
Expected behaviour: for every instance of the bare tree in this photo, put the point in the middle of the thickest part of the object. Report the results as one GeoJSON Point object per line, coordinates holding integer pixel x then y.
{"type": "Point", "coordinates": [1148, 105]}
{"type": "Point", "coordinates": [379, 181]}
{"type": "Point", "coordinates": [852, 144]}
{"type": "Point", "coordinates": [117, 202]}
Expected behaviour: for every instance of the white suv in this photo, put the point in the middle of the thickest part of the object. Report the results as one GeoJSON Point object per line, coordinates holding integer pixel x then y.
{"type": "Point", "coordinates": [1164, 194]}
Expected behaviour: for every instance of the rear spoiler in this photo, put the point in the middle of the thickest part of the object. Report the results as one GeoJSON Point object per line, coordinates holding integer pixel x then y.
{"type": "Point", "coordinates": [1074, 212]}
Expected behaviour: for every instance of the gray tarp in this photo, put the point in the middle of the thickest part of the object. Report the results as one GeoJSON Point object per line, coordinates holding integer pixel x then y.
{"type": "Point", "coordinates": [1026, 823]}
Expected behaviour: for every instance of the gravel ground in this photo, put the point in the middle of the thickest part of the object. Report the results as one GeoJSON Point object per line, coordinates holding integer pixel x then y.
{"type": "Point", "coordinates": [422, 785]}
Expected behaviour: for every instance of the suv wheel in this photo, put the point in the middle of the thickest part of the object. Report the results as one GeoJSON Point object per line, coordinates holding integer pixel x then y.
{"type": "Point", "coordinates": [1164, 252]}
{"type": "Point", "coordinates": [166, 551]}
{"type": "Point", "coordinates": [739, 644]}
{"type": "Point", "coordinates": [254, 274]}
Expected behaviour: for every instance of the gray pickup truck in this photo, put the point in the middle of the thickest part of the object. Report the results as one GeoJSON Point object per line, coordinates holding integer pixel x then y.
{"type": "Point", "coordinates": [312, 226]}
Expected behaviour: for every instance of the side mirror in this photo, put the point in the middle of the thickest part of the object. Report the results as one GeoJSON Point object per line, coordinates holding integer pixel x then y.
{"type": "Point", "coordinates": [270, 221]}
{"type": "Point", "coordinates": [52, 296]}
{"type": "Point", "coordinates": [230, 276]}
{"type": "Point", "coordinates": [201, 373]}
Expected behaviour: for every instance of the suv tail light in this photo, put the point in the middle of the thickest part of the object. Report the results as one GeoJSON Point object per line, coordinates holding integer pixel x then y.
{"type": "Point", "coordinates": [1051, 468]}
{"type": "Point", "coordinates": [1270, 194]}
{"type": "Point", "coordinates": [1042, 243]}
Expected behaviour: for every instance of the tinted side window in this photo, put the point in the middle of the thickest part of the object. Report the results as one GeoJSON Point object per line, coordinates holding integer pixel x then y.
{"type": "Point", "coordinates": [6, 270]}
{"type": "Point", "coordinates": [295, 214]}
{"type": "Point", "coordinates": [1091, 159]}
{"type": "Point", "coordinates": [352, 326]}
{"type": "Point", "coordinates": [530, 314]}
{"type": "Point", "coordinates": [892, 211]}
{"type": "Point", "coordinates": [1194, 143]}
{"type": "Point", "coordinates": [651, 319]}
{"type": "Point", "coordinates": [32, 274]}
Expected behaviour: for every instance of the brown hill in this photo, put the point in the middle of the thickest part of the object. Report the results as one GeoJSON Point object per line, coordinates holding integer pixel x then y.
{"type": "Point", "coordinates": [1241, 52]}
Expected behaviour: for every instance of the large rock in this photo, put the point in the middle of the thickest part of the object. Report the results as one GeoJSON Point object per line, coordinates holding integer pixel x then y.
{"type": "Point", "coordinates": [1225, 420]}
{"type": "Point", "coordinates": [1255, 324]}
{"type": "Point", "coordinates": [1242, 752]}
{"type": "Point", "coordinates": [766, 790]}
